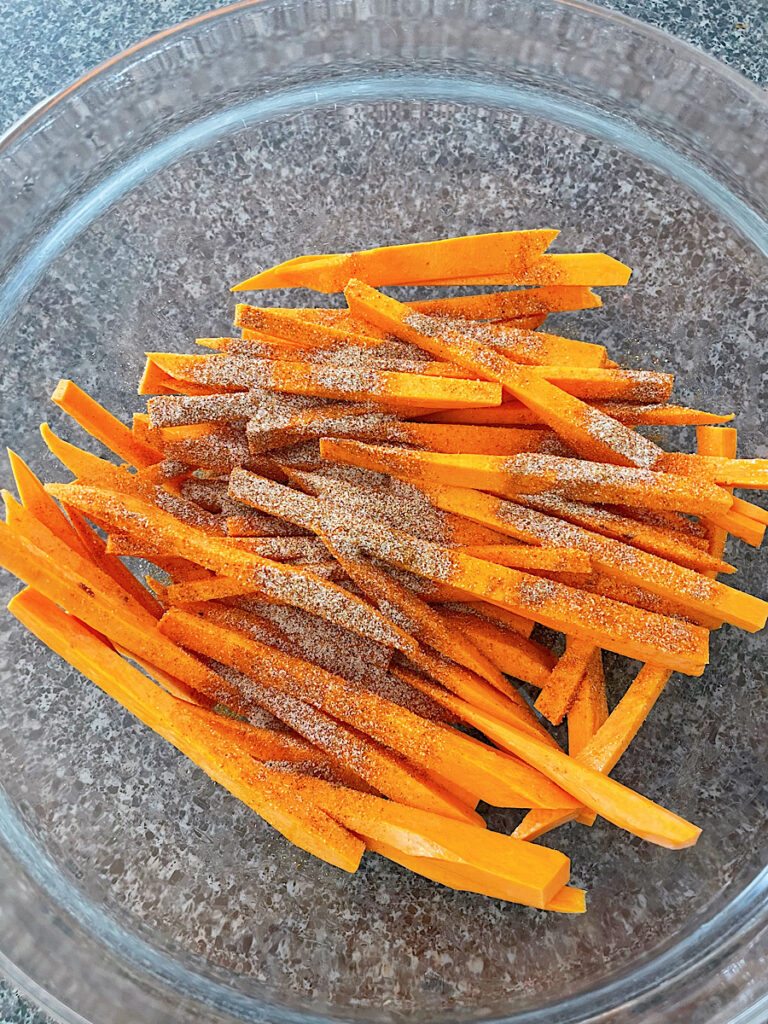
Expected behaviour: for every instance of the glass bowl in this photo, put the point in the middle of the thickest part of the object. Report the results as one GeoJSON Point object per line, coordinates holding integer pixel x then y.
{"type": "Point", "coordinates": [131, 888]}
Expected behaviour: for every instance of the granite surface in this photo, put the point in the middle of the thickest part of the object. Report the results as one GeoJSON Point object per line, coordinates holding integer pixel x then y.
{"type": "Point", "coordinates": [44, 45]}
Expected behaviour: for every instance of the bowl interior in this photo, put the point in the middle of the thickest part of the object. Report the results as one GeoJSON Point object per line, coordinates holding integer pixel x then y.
{"type": "Point", "coordinates": [143, 835]}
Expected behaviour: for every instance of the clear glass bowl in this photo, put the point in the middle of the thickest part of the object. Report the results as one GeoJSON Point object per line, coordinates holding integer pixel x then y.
{"type": "Point", "coordinates": [131, 888]}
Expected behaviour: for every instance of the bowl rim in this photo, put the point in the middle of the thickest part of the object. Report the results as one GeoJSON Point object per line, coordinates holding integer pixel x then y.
{"type": "Point", "coordinates": [648, 974]}
{"type": "Point", "coordinates": [701, 57]}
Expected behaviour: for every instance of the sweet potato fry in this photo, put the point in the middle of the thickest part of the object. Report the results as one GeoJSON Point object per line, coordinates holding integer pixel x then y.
{"type": "Point", "coordinates": [616, 803]}
{"type": "Point", "coordinates": [560, 689]}
{"type": "Point", "coordinates": [491, 775]}
{"type": "Point", "coordinates": [287, 583]}
{"type": "Point", "coordinates": [503, 305]}
{"type": "Point", "coordinates": [617, 627]}
{"type": "Point", "coordinates": [191, 730]}
{"type": "Point", "coordinates": [526, 473]}
{"type": "Point", "coordinates": [343, 383]}
{"type": "Point", "coordinates": [408, 264]}
{"type": "Point", "coordinates": [590, 432]}
{"type": "Point", "coordinates": [589, 709]}
{"type": "Point", "coordinates": [512, 413]}
{"type": "Point", "coordinates": [102, 425]}
{"type": "Point", "coordinates": [614, 558]}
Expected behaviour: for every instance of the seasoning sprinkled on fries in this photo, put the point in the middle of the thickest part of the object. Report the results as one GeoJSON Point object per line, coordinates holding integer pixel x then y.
{"type": "Point", "coordinates": [357, 517]}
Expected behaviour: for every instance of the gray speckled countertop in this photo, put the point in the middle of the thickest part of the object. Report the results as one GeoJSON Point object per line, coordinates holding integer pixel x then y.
{"type": "Point", "coordinates": [45, 45]}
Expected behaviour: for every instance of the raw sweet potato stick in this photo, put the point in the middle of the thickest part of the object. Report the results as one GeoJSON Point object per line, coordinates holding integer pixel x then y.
{"type": "Point", "coordinates": [616, 626]}
{"type": "Point", "coordinates": [408, 264]}
{"type": "Point", "coordinates": [286, 583]}
{"type": "Point", "coordinates": [559, 691]}
{"type": "Point", "coordinates": [590, 432]}
{"type": "Point", "coordinates": [493, 776]}
{"type": "Point", "coordinates": [612, 557]}
{"type": "Point", "coordinates": [502, 305]}
{"type": "Point", "coordinates": [189, 730]}
{"type": "Point", "coordinates": [608, 798]}
{"type": "Point", "coordinates": [614, 735]}
{"type": "Point", "coordinates": [512, 413]}
{"type": "Point", "coordinates": [102, 425]}
{"type": "Point", "coordinates": [526, 473]}
{"type": "Point", "coordinates": [397, 390]}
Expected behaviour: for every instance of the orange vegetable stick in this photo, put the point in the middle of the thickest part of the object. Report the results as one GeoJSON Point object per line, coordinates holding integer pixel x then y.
{"type": "Point", "coordinates": [586, 269]}
{"type": "Point", "coordinates": [341, 318]}
{"type": "Point", "coordinates": [87, 467]}
{"type": "Point", "coordinates": [500, 305]}
{"type": "Point", "coordinates": [191, 730]}
{"type": "Point", "coordinates": [569, 900]}
{"type": "Point", "coordinates": [640, 534]}
{"type": "Point", "coordinates": [102, 425]}
{"type": "Point", "coordinates": [552, 354]}
{"type": "Point", "coordinates": [523, 348]}
{"type": "Point", "coordinates": [122, 545]}
{"type": "Point", "coordinates": [345, 383]}
{"type": "Point", "coordinates": [589, 269]}
{"type": "Point", "coordinates": [76, 557]}
{"type": "Point", "coordinates": [629, 593]}
{"type": "Point", "coordinates": [403, 506]}
{"type": "Point", "coordinates": [412, 614]}
{"type": "Point", "coordinates": [595, 382]}
{"type": "Point", "coordinates": [142, 429]}
{"type": "Point", "coordinates": [605, 748]}
{"type": "Point", "coordinates": [750, 530]}
{"type": "Point", "coordinates": [616, 803]}
{"type": "Point", "coordinates": [471, 879]}
{"type": "Point", "coordinates": [589, 709]}
{"type": "Point", "coordinates": [169, 682]}
{"type": "Point", "coordinates": [746, 508]}
{"type": "Point", "coordinates": [716, 442]}
{"type": "Point", "coordinates": [188, 410]}
{"type": "Point", "coordinates": [211, 588]}
{"type": "Point", "coordinates": [559, 691]}
{"type": "Point", "coordinates": [629, 564]}
{"type": "Point", "coordinates": [485, 772]}
{"type": "Point", "coordinates": [615, 626]}
{"type": "Point", "coordinates": [290, 326]}
{"type": "Point", "coordinates": [512, 653]}
{"type": "Point", "coordinates": [513, 337]}
{"type": "Point", "coordinates": [512, 413]}
{"type": "Point", "coordinates": [590, 432]}
{"type": "Point", "coordinates": [41, 505]}
{"type": "Point", "coordinates": [587, 713]}
{"type": "Point", "coordinates": [553, 560]}
{"type": "Point", "coordinates": [493, 253]}
{"type": "Point", "coordinates": [288, 583]}
{"type": "Point", "coordinates": [495, 614]}
{"type": "Point", "coordinates": [460, 438]}
{"type": "Point", "coordinates": [533, 473]}
{"type": "Point", "coordinates": [155, 381]}
{"type": "Point", "coordinates": [389, 773]}
{"type": "Point", "coordinates": [723, 471]}
{"type": "Point", "coordinates": [365, 425]}
{"type": "Point", "coordinates": [96, 550]}
{"type": "Point", "coordinates": [515, 712]}
{"type": "Point", "coordinates": [612, 738]}
{"type": "Point", "coordinates": [82, 589]}
{"type": "Point", "coordinates": [481, 854]}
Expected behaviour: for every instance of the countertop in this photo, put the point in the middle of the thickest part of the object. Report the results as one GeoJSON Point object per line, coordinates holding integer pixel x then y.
{"type": "Point", "coordinates": [44, 45]}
